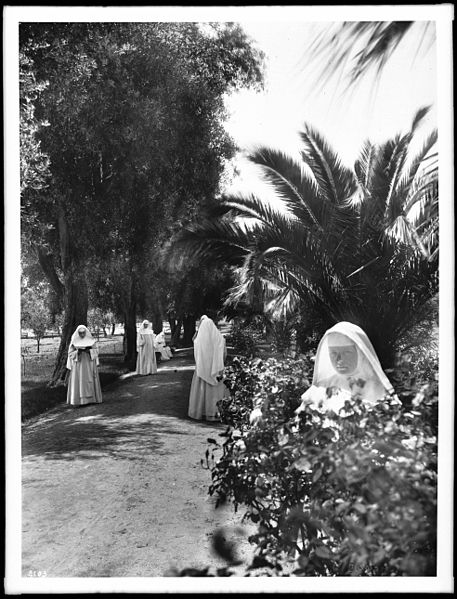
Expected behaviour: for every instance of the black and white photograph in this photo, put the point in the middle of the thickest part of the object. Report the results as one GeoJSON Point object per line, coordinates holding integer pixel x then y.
{"type": "Point", "coordinates": [229, 299]}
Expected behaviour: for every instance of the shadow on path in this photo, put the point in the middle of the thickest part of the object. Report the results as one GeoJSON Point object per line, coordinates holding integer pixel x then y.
{"type": "Point", "coordinates": [136, 414]}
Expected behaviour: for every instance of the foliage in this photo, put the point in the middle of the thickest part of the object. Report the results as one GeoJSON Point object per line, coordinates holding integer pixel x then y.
{"type": "Point", "coordinates": [351, 245]}
{"type": "Point", "coordinates": [363, 46]}
{"type": "Point", "coordinates": [135, 143]}
{"type": "Point", "coordinates": [353, 493]}
{"type": "Point", "coordinates": [98, 320]}
{"type": "Point", "coordinates": [35, 312]}
{"type": "Point", "coordinates": [245, 337]}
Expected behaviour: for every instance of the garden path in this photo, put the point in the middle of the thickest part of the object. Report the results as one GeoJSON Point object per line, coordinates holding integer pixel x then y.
{"type": "Point", "coordinates": [117, 489]}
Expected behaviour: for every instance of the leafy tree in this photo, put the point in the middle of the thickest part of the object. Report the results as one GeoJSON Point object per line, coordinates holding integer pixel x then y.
{"type": "Point", "coordinates": [193, 290]}
{"type": "Point", "coordinates": [34, 164]}
{"type": "Point", "coordinates": [349, 244]}
{"type": "Point", "coordinates": [135, 144]}
{"type": "Point", "coordinates": [35, 312]}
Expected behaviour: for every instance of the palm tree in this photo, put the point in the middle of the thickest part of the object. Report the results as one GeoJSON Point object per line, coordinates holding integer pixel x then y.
{"type": "Point", "coordinates": [360, 47]}
{"type": "Point", "coordinates": [357, 245]}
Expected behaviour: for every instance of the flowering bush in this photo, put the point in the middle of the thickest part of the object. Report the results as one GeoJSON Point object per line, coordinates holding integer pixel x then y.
{"type": "Point", "coordinates": [332, 494]}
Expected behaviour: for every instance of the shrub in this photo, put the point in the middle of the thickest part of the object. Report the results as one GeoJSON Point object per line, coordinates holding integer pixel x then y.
{"type": "Point", "coordinates": [334, 494]}
{"type": "Point", "coordinates": [245, 338]}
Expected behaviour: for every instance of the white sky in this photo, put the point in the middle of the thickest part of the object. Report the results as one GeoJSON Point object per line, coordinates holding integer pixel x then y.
{"type": "Point", "coordinates": [292, 96]}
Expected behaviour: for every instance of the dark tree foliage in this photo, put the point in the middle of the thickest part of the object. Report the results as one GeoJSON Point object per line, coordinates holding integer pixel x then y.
{"type": "Point", "coordinates": [135, 145]}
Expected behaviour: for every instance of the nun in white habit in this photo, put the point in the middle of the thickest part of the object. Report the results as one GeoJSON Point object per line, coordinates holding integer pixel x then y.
{"type": "Point", "coordinates": [207, 388]}
{"type": "Point", "coordinates": [146, 362]}
{"type": "Point", "coordinates": [82, 362]}
{"type": "Point", "coordinates": [346, 366]}
{"type": "Point", "coordinates": [162, 347]}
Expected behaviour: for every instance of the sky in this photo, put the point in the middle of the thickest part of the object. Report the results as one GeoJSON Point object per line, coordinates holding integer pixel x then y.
{"type": "Point", "coordinates": [294, 94]}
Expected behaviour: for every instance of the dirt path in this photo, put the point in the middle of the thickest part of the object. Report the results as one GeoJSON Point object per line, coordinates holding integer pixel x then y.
{"type": "Point", "coordinates": [117, 489]}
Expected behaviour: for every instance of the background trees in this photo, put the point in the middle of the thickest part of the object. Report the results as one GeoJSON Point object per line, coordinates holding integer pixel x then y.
{"type": "Point", "coordinates": [349, 244]}
{"type": "Point", "coordinates": [135, 145]}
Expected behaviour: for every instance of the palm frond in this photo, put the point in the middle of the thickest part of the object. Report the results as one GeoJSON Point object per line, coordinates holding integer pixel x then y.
{"type": "Point", "coordinates": [419, 117]}
{"type": "Point", "coordinates": [383, 39]}
{"type": "Point", "coordinates": [417, 162]}
{"type": "Point", "coordinates": [354, 49]}
{"type": "Point", "coordinates": [335, 182]}
{"type": "Point", "coordinates": [290, 181]}
{"type": "Point", "coordinates": [363, 166]}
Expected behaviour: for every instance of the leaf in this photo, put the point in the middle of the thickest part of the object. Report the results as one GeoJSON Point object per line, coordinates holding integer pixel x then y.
{"type": "Point", "coordinates": [317, 475]}
{"type": "Point", "coordinates": [302, 464]}
{"type": "Point", "coordinates": [341, 507]}
{"type": "Point", "coordinates": [260, 562]}
{"type": "Point", "coordinates": [324, 552]}
{"type": "Point", "coordinates": [360, 508]}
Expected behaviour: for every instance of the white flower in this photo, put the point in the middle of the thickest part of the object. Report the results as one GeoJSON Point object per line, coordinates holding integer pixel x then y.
{"type": "Point", "coordinates": [240, 444]}
{"type": "Point", "coordinates": [255, 415]}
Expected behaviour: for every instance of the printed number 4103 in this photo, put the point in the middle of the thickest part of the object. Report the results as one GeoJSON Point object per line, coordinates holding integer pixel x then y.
{"type": "Point", "coordinates": [37, 573]}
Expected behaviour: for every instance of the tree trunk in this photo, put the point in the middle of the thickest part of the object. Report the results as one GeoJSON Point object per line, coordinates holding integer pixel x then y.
{"type": "Point", "coordinates": [172, 322]}
{"type": "Point", "coordinates": [113, 328]}
{"type": "Point", "coordinates": [47, 265]}
{"type": "Point", "coordinates": [130, 332]}
{"type": "Point", "coordinates": [75, 313]}
{"type": "Point", "coordinates": [37, 345]}
{"type": "Point", "coordinates": [177, 333]}
{"type": "Point", "coordinates": [156, 318]}
{"type": "Point", "coordinates": [189, 329]}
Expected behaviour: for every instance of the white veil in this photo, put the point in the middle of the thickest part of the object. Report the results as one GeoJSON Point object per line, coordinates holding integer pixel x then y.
{"type": "Point", "coordinates": [209, 345]}
{"type": "Point", "coordinates": [146, 330]}
{"type": "Point", "coordinates": [368, 368]}
{"type": "Point", "coordinates": [86, 341]}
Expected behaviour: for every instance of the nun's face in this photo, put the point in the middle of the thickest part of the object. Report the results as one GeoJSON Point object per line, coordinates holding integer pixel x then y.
{"type": "Point", "coordinates": [145, 325]}
{"type": "Point", "coordinates": [344, 358]}
{"type": "Point", "coordinates": [82, 333]}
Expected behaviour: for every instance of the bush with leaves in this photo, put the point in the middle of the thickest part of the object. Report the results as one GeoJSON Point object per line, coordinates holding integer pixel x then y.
{"type": "Point", "coordinates": [245, 338]}
{"type": "Point", "coordinates": [332, 494]}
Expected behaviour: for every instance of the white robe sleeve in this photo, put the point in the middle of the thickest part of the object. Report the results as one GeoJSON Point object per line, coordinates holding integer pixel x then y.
{"type": "Point", "coordinates": [94, 354]}
{"type": "Point", "coordinates": [72, 357]}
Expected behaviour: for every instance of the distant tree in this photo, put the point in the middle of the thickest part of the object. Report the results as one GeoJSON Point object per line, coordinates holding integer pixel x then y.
{"type": "Point", "coordinates": [35, 313]}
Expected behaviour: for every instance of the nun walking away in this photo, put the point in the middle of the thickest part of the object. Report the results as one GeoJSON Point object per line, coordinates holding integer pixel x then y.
{"type": "Point", "coordinates": [146, 362]}
{"type": "Point", "coordinates": [82, 362]}
{"type": "Point", "coordinates": [207, 387]}
{"type": "Point", "coordinates": [346, 366]}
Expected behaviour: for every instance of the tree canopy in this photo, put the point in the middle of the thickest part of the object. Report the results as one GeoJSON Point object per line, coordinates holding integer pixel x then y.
{"type": "Point", "coordinates": [134, 143]}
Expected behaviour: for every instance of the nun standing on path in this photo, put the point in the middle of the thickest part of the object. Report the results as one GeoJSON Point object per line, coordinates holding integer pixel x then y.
{"type": "Point", "coordinates": [146, 362]}
{"type": "Point", "coordinates": [207, 387]}
{"type": "Point", "coordinates": [82, 362]}
{"type": "Point", "coordinates": [346, 366]}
